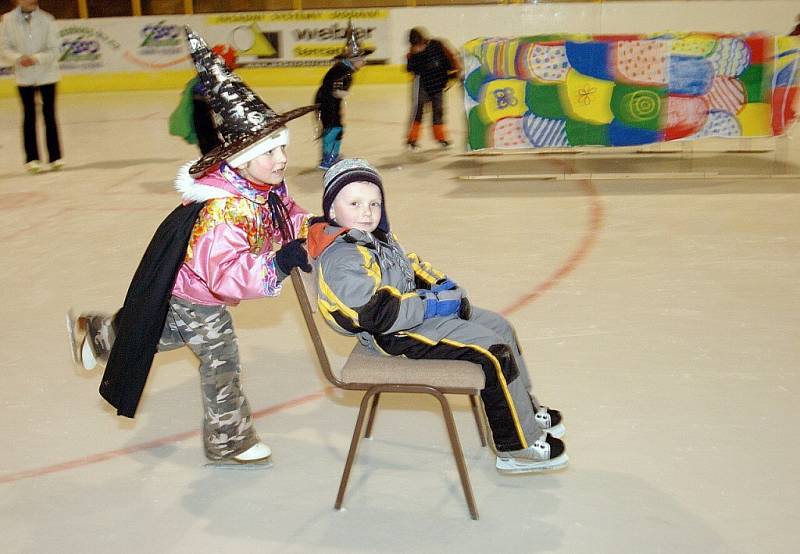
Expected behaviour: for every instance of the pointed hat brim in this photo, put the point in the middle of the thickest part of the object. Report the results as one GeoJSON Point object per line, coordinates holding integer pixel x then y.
{"type": "Point", "coordinates": [224, 152]}
{"type": "Point", "coordinates": [364, 52]}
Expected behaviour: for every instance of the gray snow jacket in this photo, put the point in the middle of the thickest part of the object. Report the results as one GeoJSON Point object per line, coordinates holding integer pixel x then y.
{"type": "Point", "coordinates": [368, 287]}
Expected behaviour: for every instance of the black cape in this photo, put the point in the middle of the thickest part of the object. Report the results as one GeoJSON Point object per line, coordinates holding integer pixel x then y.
{"type": "Point", "coordinates": [138, 324]}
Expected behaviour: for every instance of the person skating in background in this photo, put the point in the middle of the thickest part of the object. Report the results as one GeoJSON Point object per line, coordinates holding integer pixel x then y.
{"type": "Point", "coordinates": [398, 305]}
{"type": "Point", "coordinates": [29, 40]}
{"type": "Point", "coordinates": [433, 65]}
{"type": "Point", "coordinates": [193, 119]}
{"type": "Point", "coordinates": [334, 88]}
{"type": "Point", "coordinates": [236, 235]}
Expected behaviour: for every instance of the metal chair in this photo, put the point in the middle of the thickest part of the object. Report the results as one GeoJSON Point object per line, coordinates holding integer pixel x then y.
{"type": "Point", "coordinates": [375, 374]}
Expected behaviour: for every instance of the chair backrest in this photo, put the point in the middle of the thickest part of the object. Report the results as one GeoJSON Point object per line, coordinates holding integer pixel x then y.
{"type": "Point", "coordinates": [305, 287]}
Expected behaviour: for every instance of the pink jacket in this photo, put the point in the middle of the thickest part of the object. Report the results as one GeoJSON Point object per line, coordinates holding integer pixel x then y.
{"type": "Point", "coordinates": [231, 254]}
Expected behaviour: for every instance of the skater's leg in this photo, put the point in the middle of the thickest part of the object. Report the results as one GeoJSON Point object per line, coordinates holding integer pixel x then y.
{"type": "Point", "coordinates": [171, 336]}
{"type": "Point", "coordinates": [439, 128]}
{"type": "Point", "coordinates": [331, 142]}
{"type": "Point", "coordinates": [337, 144]}
{"type": "Point", "coordinates": [92, 335]}
{"type": "Point", "coordinates": [28, 97]}
{"type": "Point", "coordinates": [521, 443]}
{"type": "Point", "coordinates": [418, 100]}
{"type": "Point", "coordinates": [227, 423]}
{"type": "Point", "coordinates": [506, 401]}
{"type": "Point", "coordinates": [505, 330]}
{"type": "Point", "coordinates": [548, 418]}
{"type": "Point", "coordinates": [48, 93]}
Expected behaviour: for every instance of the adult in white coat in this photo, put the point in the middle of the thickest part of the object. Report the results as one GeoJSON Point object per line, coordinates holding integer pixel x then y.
{"type": "Point", "coordinates": [29, 40]}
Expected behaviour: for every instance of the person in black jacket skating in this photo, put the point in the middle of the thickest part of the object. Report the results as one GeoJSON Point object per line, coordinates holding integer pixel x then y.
{"type": "Point", "coordinates": [433, 65]}
{"type": "Point", "coordinates": [335, 86]}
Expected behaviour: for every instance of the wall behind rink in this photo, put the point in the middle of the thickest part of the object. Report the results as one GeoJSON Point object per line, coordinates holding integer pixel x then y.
{"type": "Point", "coordinates": [130, 65]}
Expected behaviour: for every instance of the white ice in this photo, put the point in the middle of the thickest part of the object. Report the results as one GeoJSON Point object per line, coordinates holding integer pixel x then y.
{"type": "Point", "coordinates": [661, 317]}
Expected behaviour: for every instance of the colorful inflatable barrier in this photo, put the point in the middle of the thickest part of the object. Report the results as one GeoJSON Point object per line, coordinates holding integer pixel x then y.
{"type": "Point", "coordinates": [570, 90]}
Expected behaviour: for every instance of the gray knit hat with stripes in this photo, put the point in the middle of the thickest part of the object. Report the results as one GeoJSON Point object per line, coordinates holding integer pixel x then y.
{"type": "Point", "coordinates": [347, 171]}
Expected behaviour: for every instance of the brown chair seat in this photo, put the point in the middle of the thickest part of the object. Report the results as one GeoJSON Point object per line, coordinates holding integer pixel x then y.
{"type": "Point", "coordinates": [366, 366]}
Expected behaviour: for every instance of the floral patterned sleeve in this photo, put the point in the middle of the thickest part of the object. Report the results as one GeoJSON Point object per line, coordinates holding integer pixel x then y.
{"type": "Point", "coordinates": [298, 216]}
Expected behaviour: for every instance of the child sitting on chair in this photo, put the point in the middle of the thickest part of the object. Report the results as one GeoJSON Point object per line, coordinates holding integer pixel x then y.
{"type": "Point", "coordinates": [397, 305]}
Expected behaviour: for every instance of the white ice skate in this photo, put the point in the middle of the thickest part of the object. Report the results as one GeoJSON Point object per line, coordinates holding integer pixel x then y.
{"type": "Point", "coordinates": [550, 420]}
{"type": "Point", "coordinates": [91, 336]}
{"type": "Point", "coordinates": [34, 167]}
{"type": "Point", "coordinates": [546, 454]}
{"type": "Point", "coordinates": [82, 354]}
{"type": "Point", "coordinates": [258, 456]}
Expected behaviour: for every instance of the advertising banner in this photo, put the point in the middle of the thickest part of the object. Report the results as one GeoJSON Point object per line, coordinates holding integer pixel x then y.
{"type": "Point", "coordinates": [262, 39]}
{"type": "Point", "coordinates": [302, 37]}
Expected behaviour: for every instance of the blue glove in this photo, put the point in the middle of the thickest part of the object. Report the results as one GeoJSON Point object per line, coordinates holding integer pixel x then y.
{"type": "Point", "coordinates": [444, 284]}
{"type": "Point", "coordinates": [442, 304]}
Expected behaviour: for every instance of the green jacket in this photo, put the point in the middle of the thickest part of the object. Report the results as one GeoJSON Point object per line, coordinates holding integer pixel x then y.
{"type": "Point", "coordinates": [181, 121]}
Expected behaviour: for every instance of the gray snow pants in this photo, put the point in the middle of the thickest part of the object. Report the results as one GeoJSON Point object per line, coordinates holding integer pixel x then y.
{"type": "Point", "coordinates": [487, 339]}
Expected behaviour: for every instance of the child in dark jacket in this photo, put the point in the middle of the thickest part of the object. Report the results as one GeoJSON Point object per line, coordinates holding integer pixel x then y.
{"type": "Point", "coordinates": [433, 65]}
{"type": "Point", "coordinates": [334, 88]}
{"type": "Point", "coordinates": [398, 305]}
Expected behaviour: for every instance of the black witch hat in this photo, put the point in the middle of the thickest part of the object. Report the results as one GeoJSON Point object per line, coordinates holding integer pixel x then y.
{"type": "Point", "coordinates": [247, 125]}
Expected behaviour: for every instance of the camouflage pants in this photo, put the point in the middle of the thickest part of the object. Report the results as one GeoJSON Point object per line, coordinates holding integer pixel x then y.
{"type": "Point", "coordinates": [208, 332]}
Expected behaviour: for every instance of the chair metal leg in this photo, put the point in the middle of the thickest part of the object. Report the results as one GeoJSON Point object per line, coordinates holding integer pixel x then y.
{"type": "Point", "coordinates": [478, 422]}
{"type": "Point", "coordinates": [457, 452]}
{"type": "Point", "coordinates": [371, 420]}
{"type": "Point", "coordinates": [353, 447]}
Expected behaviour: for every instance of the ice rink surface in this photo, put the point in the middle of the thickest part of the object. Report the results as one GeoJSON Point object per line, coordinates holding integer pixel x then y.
{"type": "Point", "coordinates": [660, 316]}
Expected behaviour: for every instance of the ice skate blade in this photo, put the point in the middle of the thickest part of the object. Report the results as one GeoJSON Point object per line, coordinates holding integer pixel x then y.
{"type": "Point", "coordinates": [88, 360]}
{"type": "Point", "coordinates": [72, 331]}
{"type": "Point", "coordinates": [233, 464]}
{"type": "Point", "coordinates": [513, 466]}
{"type": "Point", "coordinates": [82, 355]}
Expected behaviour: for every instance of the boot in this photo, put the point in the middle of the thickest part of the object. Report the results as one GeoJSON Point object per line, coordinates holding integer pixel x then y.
{"type": "Point", "coordinates": [328, 159]}
{"type": "Point", "coordinates": [413, 133]}
{"type": "Point", "coordinates": [550, 420]}
{"type": "Point", "coordinates": [440, 132]}
{"type": "Point", "coordinates": [257, 456]}
{"type": "Point", "coordinates": [91, 338]}
{"type": "Point", "coordinates": [546, 454]}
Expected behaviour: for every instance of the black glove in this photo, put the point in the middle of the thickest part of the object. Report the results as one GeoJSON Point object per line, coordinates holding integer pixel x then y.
{"type": "Point", "coordinates": [292, 254]}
